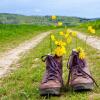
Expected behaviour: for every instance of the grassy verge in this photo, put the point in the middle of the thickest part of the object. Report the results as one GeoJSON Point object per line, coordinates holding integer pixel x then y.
{"type": "Point", "coordinates": [95, 24]}
{"type": "Point", "coordinates": [84, 30]}
{"type": "Point", "coordinates": [12, 35]}
{"type": "Point", "coordinates": [23, 83]}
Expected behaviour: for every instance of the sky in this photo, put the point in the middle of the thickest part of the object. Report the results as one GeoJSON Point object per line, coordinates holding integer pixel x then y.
{"type": "Point", "coordinates": [79, 8]}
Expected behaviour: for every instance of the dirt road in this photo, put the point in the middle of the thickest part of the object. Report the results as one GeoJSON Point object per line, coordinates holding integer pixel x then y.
{"type": "Point", "coordinates": [14, 55]}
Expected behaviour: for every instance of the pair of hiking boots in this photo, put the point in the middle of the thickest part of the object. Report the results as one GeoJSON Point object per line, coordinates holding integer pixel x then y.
{"type": "Point", "coordinates": [79, 77]}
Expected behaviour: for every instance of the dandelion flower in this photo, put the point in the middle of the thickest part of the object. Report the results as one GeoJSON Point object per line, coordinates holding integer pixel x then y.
{"type": "Point", "coordinates": [60, 23]}
{"type": "Point", "coordinates": [53, 17]}
{"type": "Point", "coordinates": [82, 55]}
{"type": "Point", "coordinates": [79, 49]}
{"type": "Point", "coordinates": [60, 43]}
{"type": "Point", "coordinates": [60, 51]}
{"type": "Point", "coordinates": [89, 28]}
{"type": "Point", "coordinates": [81, 52]}
{"type": "Point", "coordinates": [61, 33]}
{"type": "Point", "coordinates": [93, 31]}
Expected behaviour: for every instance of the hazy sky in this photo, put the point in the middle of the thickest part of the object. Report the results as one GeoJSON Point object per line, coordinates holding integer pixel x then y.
{"type": "Point", "coordinates": [80, 8]}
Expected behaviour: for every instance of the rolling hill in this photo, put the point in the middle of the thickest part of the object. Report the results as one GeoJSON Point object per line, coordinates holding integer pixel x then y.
{"type": "Point", "coordinates": [6, 18]}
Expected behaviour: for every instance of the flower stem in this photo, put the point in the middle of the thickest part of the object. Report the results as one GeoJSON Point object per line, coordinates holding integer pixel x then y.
{"type": "Point", "coordinates": [50, 44]}
{"type": "Point", "coordinates": [76, 42]}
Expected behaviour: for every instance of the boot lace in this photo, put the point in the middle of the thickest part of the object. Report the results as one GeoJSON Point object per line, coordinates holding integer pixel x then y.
{"type": "Point", "coordinates": [53, 68]}
{"type": "Point", "coordinates": [78, 67]}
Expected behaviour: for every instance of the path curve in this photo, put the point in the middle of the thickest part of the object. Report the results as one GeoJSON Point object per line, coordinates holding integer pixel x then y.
{"type": "Point", "coordinates": [91, 40]}
{"type": "Point", "coordinates": [14, 55]}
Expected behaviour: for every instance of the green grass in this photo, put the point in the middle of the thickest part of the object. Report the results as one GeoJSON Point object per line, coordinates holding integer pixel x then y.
{"type": "Point", "coordinates": [12, 35]}
{"type": "Point", "coordinates": [83, 27]}
{"type": "Point", "coordinates": [23, 83]}
{"type": "Point", "coordinates": [84, 30]}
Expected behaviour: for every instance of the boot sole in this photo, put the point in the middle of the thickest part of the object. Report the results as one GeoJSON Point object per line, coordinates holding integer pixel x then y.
{"type": "Point", "coordinates": [83, 87]}
{"type": "Point", "coordinates": [50, 91]}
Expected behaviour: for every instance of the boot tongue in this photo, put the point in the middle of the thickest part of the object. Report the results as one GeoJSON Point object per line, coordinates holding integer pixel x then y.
{"type": "Point", "coordinates": [54, 69]}
{"type": "Point", "coordinates": [58, 59]}
{"type": "Point", "coordinates": [77, 61]}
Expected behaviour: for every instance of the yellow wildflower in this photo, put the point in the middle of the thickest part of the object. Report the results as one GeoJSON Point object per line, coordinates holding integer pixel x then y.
{"type": "Point", "coordinates": [74, 34]}
{"type": "Point", "coordinates": [81, 52]}
{"type": "Point", "coordinates": [52, 37]}
{"type": "Point", "coordinates": [60, 51]}
{"type": "Point", "coordinates": [61, 33]}
{"type": "Point", "coordinates": [60, 23]}
{"type": "Point", "coordinates": [66, 35]}
{"type": "Point", "coordinates": [69, 39]}
{"type": "Point", "coordinates": [53, 17]}
{"type": "Point", "coordinates": [60, 43]}
{"type": "Point", "coordinates": [82, 55]}
{"type": "Point", "coordinates": [93, 31]}
{"type": "Point", "coordinates": [79, 49]}
{"type": "Point", "coordinates": [90, 29]}
{"type": "Point", "coordinates": [56, 42]}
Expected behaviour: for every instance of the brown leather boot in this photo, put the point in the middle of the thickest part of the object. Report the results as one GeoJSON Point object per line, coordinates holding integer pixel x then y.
{"type": "Point", "coordinates": [79, 75]}
{"type": "Point", "coordinates": [52, 81]}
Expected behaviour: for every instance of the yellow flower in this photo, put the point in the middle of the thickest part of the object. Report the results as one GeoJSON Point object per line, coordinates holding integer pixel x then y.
{"type": "Point", "coordinates": [66, 35]}
{"type": "Point", "coordinates": [81, 52]}
{"type": "Point", "coordinates": [52, 37]}
{"type": "Point", "coordinates": [79, 49]}
{"type": "Point", "coordinates": [60, 51]}
{"type": "Point", "coordinates": [60, 23]}
{"type": "Point", "coordinates": [61, 33]}
{"type": "Point", "coordinates": [56, 42]}
{"type": "Point", "coordinates": [69, 39]}
{"type": "Point", "coordinates": [93, 31]}
{"type": "Point", "coordinates": [82, 55]}
{"type": "Point", "coordinates": [53, 17]}
{"type": "Point", "coordinates": [90, 29]}
{"type": "Point", "coordinates": [74, 34]}
{"type": "Point", "coordinates": [60, 43]}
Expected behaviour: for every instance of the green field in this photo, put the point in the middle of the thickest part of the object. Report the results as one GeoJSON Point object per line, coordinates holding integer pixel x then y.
{"type": "Point", "coordinates": [83, 27]}
{"type": "Point", "coordinates": [12, 35]}
{"type": "Point", "coordinates": [23, 83]}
